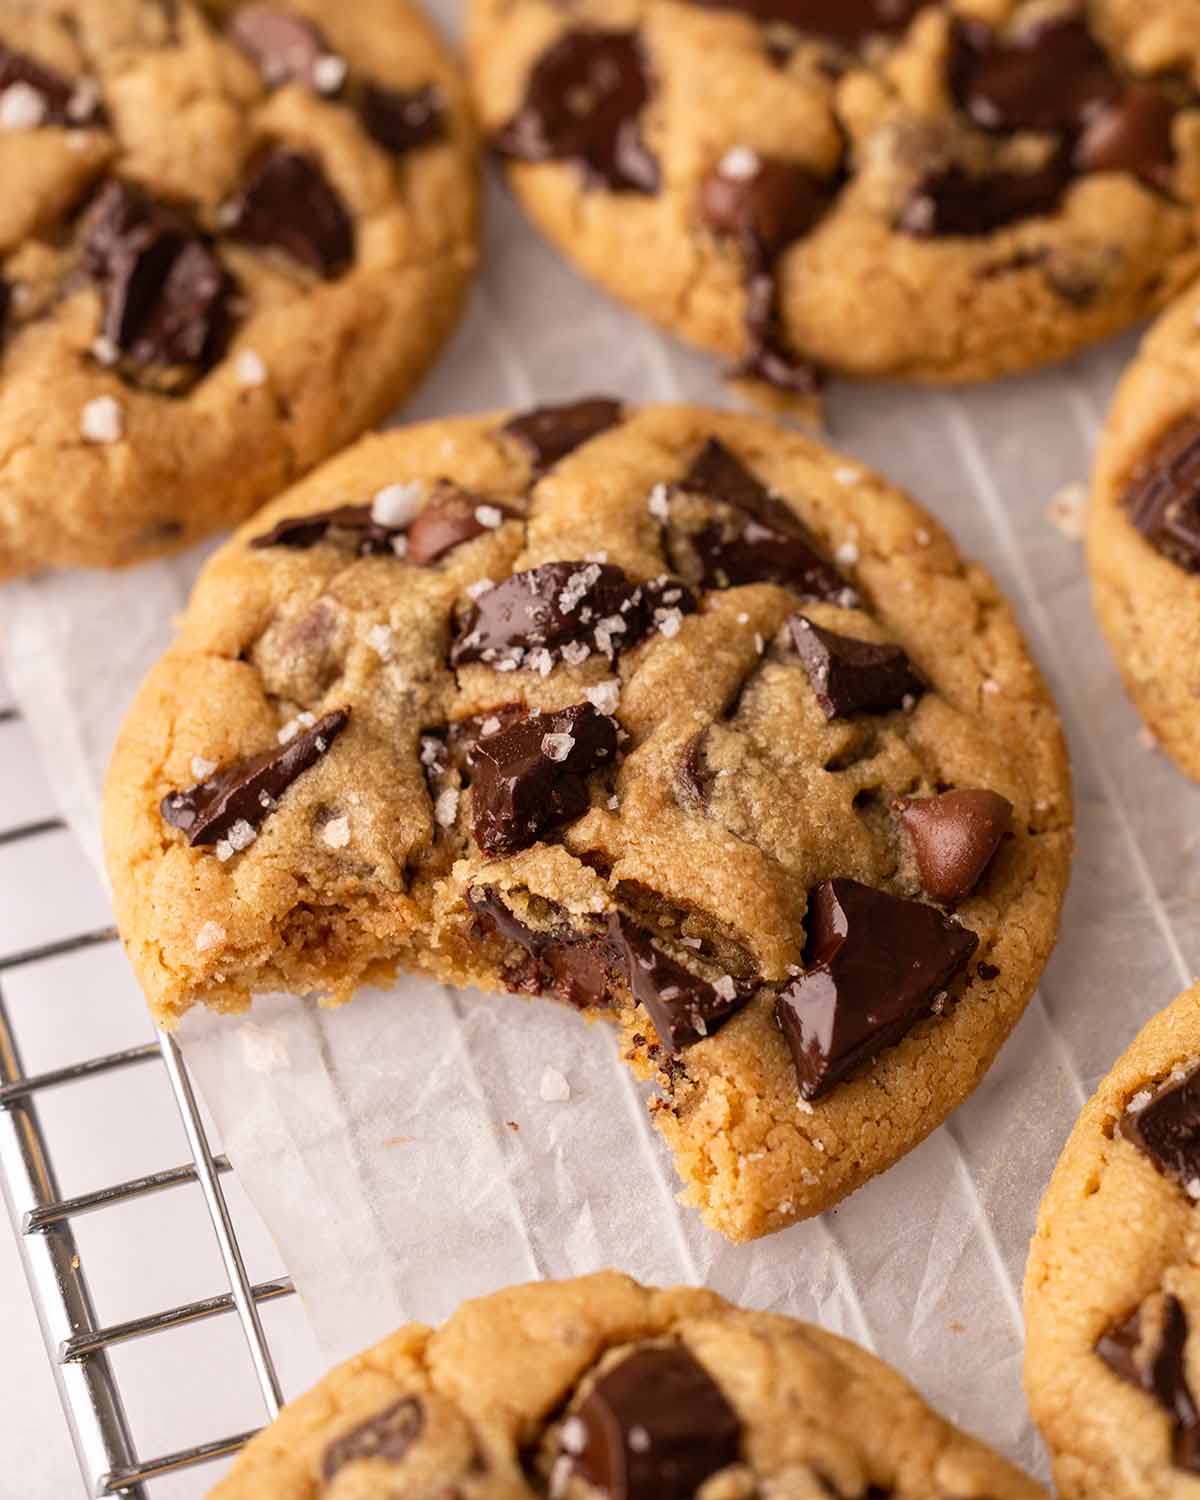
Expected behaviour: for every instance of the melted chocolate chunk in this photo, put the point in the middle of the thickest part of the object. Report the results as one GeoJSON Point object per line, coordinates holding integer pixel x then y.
{"type": "Point", "coordinates": [1050, 77]}
{"type": "Point", "coordinates": [63, 101]}
{"type": "Point", "coordinates": [549, 433]}
{"type": "Point", "coordinates": [300, 532]}
{"type": "Point", "coordinates": [954, 201]}
{"type": "Point", "coordinates": [165, 293]}
{"type": "Point", "coordinates": [654, 1427]}
{"type": "Point", "coordinates": [1163, 496]}
{"type": "Point", "coordinates": [848, 23]}
{"type": "Point", "coordinates": [874, 965]}
{"type": "Point", "coordinates": [286, 48]}
{"type": "Point", "coordinates": [387, 1436]}
{"type": "Point", "coordinates": [450, 517]}
{"type": "Point", "coordinates": [683, 1007]}
{"type": "Point", "coordinates": [563, 606]}
{"type": "Point", "coordinates": [769, 358]}
{"type": "Point", "coordinates": [532, 775]}
{"type": "Point", "coordinates": [1160, 1371]}
{"type": "Point", "coordinates": [1134, 134]}
{"type": "Point", "coordinates": [850, 676]}
{"type": "Point", "coordinates": [583, 103]}
{"type": "Point", "coordinates": [400, 120]}
{"type": "Point", "coordinates": [1167, 1129]}
{"type": "Point", "coordinates": [248, 790]}
{"type": "Point", "coordinates": [954, 837]}
{"type": "Point", "coordinates": [575, 966]}
{"type": "Point", "coordinates": [764, 202]}
{"type": "Point", "coordinates": [287, 202]}
{"type": "Point", "coordinates": [765, 543]}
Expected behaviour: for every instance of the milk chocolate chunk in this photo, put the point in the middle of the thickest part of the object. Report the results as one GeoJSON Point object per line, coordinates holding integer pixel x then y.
{"type": "Point", "coordinates": [532, 776]}
{"type": "Point", "coordinates": [1052, 77]}
{"type": "Point", "coordinates": [564, 607]}
{"type": "Point", "coordinates": [549, 433]}
{"type": "Point", "coordinates": [684, 1007]}
{"type": "Point", "coordinates": [1163, 495]}
{"type": "Point", "coordinates": [386, 1437]}
{"type": "Point", "coordinates": [848, 23]}
{"type": "Point", "coordinates": [583, 103]}
{"type": "Point", "coordinates": [954, 836]}
{"type": "Point", "coordinates": [1132, 134]}
{"type": "Point", "coordinates": [248, 790]}
{"type": "Point", "coordinates": [400, 120]}
{"type": "Point", "coordinates": [850, 676]}
{"type": "Point", "coordinates": [654, 1427]}
{"type": "Point", "coordinates": [1159, 1367]}
{"type": "Point", "coordinates": [63, 101]}
{"type": "Point", "coordinates": [874, 965]}
{"type": "Point", "coordinates": [1167, 1129]}
{"type": "Point", "coordinates": [165, 294]}
{"type": "Point", "coordinates": [953, 201]}
{"type": "Point", "coordinates": [766, 542]}
{"type": "Point", "coordinates": [287, 48]}
{"type": "Point", "coordinates": [288, 203]}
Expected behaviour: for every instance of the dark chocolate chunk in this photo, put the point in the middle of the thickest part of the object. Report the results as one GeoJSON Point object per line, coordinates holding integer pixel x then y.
{"type": "Point", "coordinates": [287, 48]}
{"type": "Point", "coordinates": [953, 201]}
{"type": "Point", "coordinates": [165, 293]}
{"type": "Point", "coordinates": [766, 542]}
{"type": "Point", "coordinates": [583, 103]}
{"type": "Point", "coordinates": [450, 517]}
{"type": "Point", "coordinates": [1163, 495]}
{"type": "Point", "coordinates": [1159, 1369]}
{"type": "Point", "coordinates": [954, 837]}
{"type": "Point", "coordinates": [574, 965]}
{"type": "Point", "coordinates": [764, 202]}
{"type": "Point", "coordinates": [563, 606]}
{"type": "Point", "coordinates": [400, 120]}
{"type": "Point", "coordinates": [300, 532]}
{"type": "Point", "coordinates": [1050, 77]}
{"type": "Point", "coordinates": [850, 676]}
{"type": "Point", "coordinates": [64, 102]}
{"type": "Point", "coordinates": [549, 433]}
{"type": "Point", "coordinates": [387, 1436]}
{"type": "Point", "coordinates": [1132, 134]}
{"type": "Point", "coordinates": [848, 23]}
{"type": "Point", "coordinates": [654, 1427]}
{"type": "Point", "coordinates": [1167, 1129]}
{"type": "Point", "coordinates": [248, 790]}
{"type": "Point", "coordinates": [683, 1007]}
{"type": "Point", "coordinates": [1120, 1345]}
{"type": "Point", "coordinates": [986, 971]}
{"type": "Point", "coordinates": [288, 202]}
{"type": "Point", "coordinates": [532, 775]}
{"type": "Point", "coordinates": [874, 965]}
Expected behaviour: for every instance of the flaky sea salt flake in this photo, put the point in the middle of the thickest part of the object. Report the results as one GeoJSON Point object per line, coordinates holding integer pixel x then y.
{"type": "Point", "coordinates": [554, 1087]}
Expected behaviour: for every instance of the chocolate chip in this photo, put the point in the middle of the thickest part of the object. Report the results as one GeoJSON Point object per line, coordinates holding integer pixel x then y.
{"type": "Point", "coordinates": [874, 965]}
{"type": "Point", "coordinates": [1163, 496]}
{"type": "Point", "coordinates": [386, 1437]}
{"type": "Point", "coordinates": [1132, 134]}
{"type": "Point", "coordinates": [684, 1007]}
{"type": "Point", "coordinates": [165, 293]}
{"type": "Point", "coordinates": [1160, 1369]}
{"type": "Point", "coordinates": [1050, 77]}
{"type": "Point", "coordinates": [400, 120]}
{"type": "Point", "coordinates": [583, 103]}
{"type": "Point", "coordinates": [549, 433]}
{"type": "Point", "coordinates": [766, 542]}
{"type": "Point", "coordinates": [449, 518]}
{"type": "Point", "coordinates": [654, 1427]}
{"type": "Point", "coordinates": [63, 101]}
{"type": "Point", "coordinates": [531, 776]}
{"type": "Point", "coordinates": [288, 202]}
{"type": "Point", "coordinates": [764, 202]}
{"type": "Point", "coordinates": [850, 676]}
{"type": "Point", "coordinates": [849, 23]}
{"type": "Point", "coordinates": [286, 48]}
{"type": "Point", "coordinates": [953, 201]}
{"type": "Point", "coordinates": [987, 972]}
{"type": "Point", "coordinates": [1167, 1129]}
{"type": "Point", "coordinates": [300, 532]}
{"type": "Point", "coordinates": [248, 790]}
{"type": "Point", "coordinates": [954, 837]}
{"type": "Point", "coordinates": [562, 607]}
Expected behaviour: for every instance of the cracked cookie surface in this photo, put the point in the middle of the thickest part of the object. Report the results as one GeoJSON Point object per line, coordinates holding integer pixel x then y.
{"type": "Point", "coordinates": [1144, 531]}
{"type": "Point", "coordinates": [940, 190]}
{"type": "Point", "coordinates": [669, 713]}
{"type": "Point", "coordinates": [232, 237]}
{"type": "Point", "coordinates": [601, 1389]}
{"type": "Point", "coordinates": [1112, 1291]}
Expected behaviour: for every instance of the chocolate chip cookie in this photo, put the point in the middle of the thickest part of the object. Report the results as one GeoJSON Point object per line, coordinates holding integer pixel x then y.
{"type": "Point", "coordinates": [670, 714]}
{"type": "Point", "coordinates": [1144, 531]}
{"type": "Point", "coordinates": [231, 238]}
{"type": "Point", "coordinates": [1112, 1290]}
{"type": "Point", "coordinates": [601, 1389]}
{"type": "Point", "coordinates": [941, 190]}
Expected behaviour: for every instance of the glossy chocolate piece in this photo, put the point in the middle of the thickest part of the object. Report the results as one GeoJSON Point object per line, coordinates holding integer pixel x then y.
{"type": "Point", "coordinates": [576, 966]}
{"type": "Point", "coordinates": [288, 204]}
{"type": "Point", "coordinates": [954, 837]}
{"type": "Point", "coordinates": [301, 532]}
{"type": "Point", "coordinates": [655, 1426]}
{"type": "Point", "coordinates": [531, 776]}
{"type": "Point", "coordinates": [850, 676]}
{"type": "Point", "coordinates": [1159, 1369]}
{"type": "Point", "coordinates": [549, 433]}
{"type": "Point", "coordinates": [583, 103]}
{"type": "Point", "coordinates": [684, 1008]}
{"type": "Point", "coordinates": [874, 966]}
{"type": "Point", "coordinates": [764, 209]}
{"type": "Point", "coordinates": [386, 1437]}
{"type": "Point", "coordinates": [1167, 1130]}
{"type": "Point", "coordinates": [246, 791]}
{"type": "Point", "coordinates": [954, 201]}
{"type": "Point", "coordinates": [400, 120]}
{"type": "Point", "coordinates": [1051, 77]}
{"type": "Point", "coordinates": [1134, 134]}
{"type": "Point", "coordinates": [1163, 496]}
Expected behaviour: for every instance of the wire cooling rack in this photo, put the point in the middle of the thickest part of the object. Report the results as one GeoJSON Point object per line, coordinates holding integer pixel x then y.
{"type": "Point", "coordinates": [78, 1343]}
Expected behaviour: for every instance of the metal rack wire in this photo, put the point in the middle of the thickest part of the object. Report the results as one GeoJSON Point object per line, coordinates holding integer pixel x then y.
{"type": "Point", "coordinates": [77, 1343]}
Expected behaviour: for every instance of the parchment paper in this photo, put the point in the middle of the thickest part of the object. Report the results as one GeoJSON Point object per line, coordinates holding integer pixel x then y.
{"type": "Point", "coordinates": [401, 1149]}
